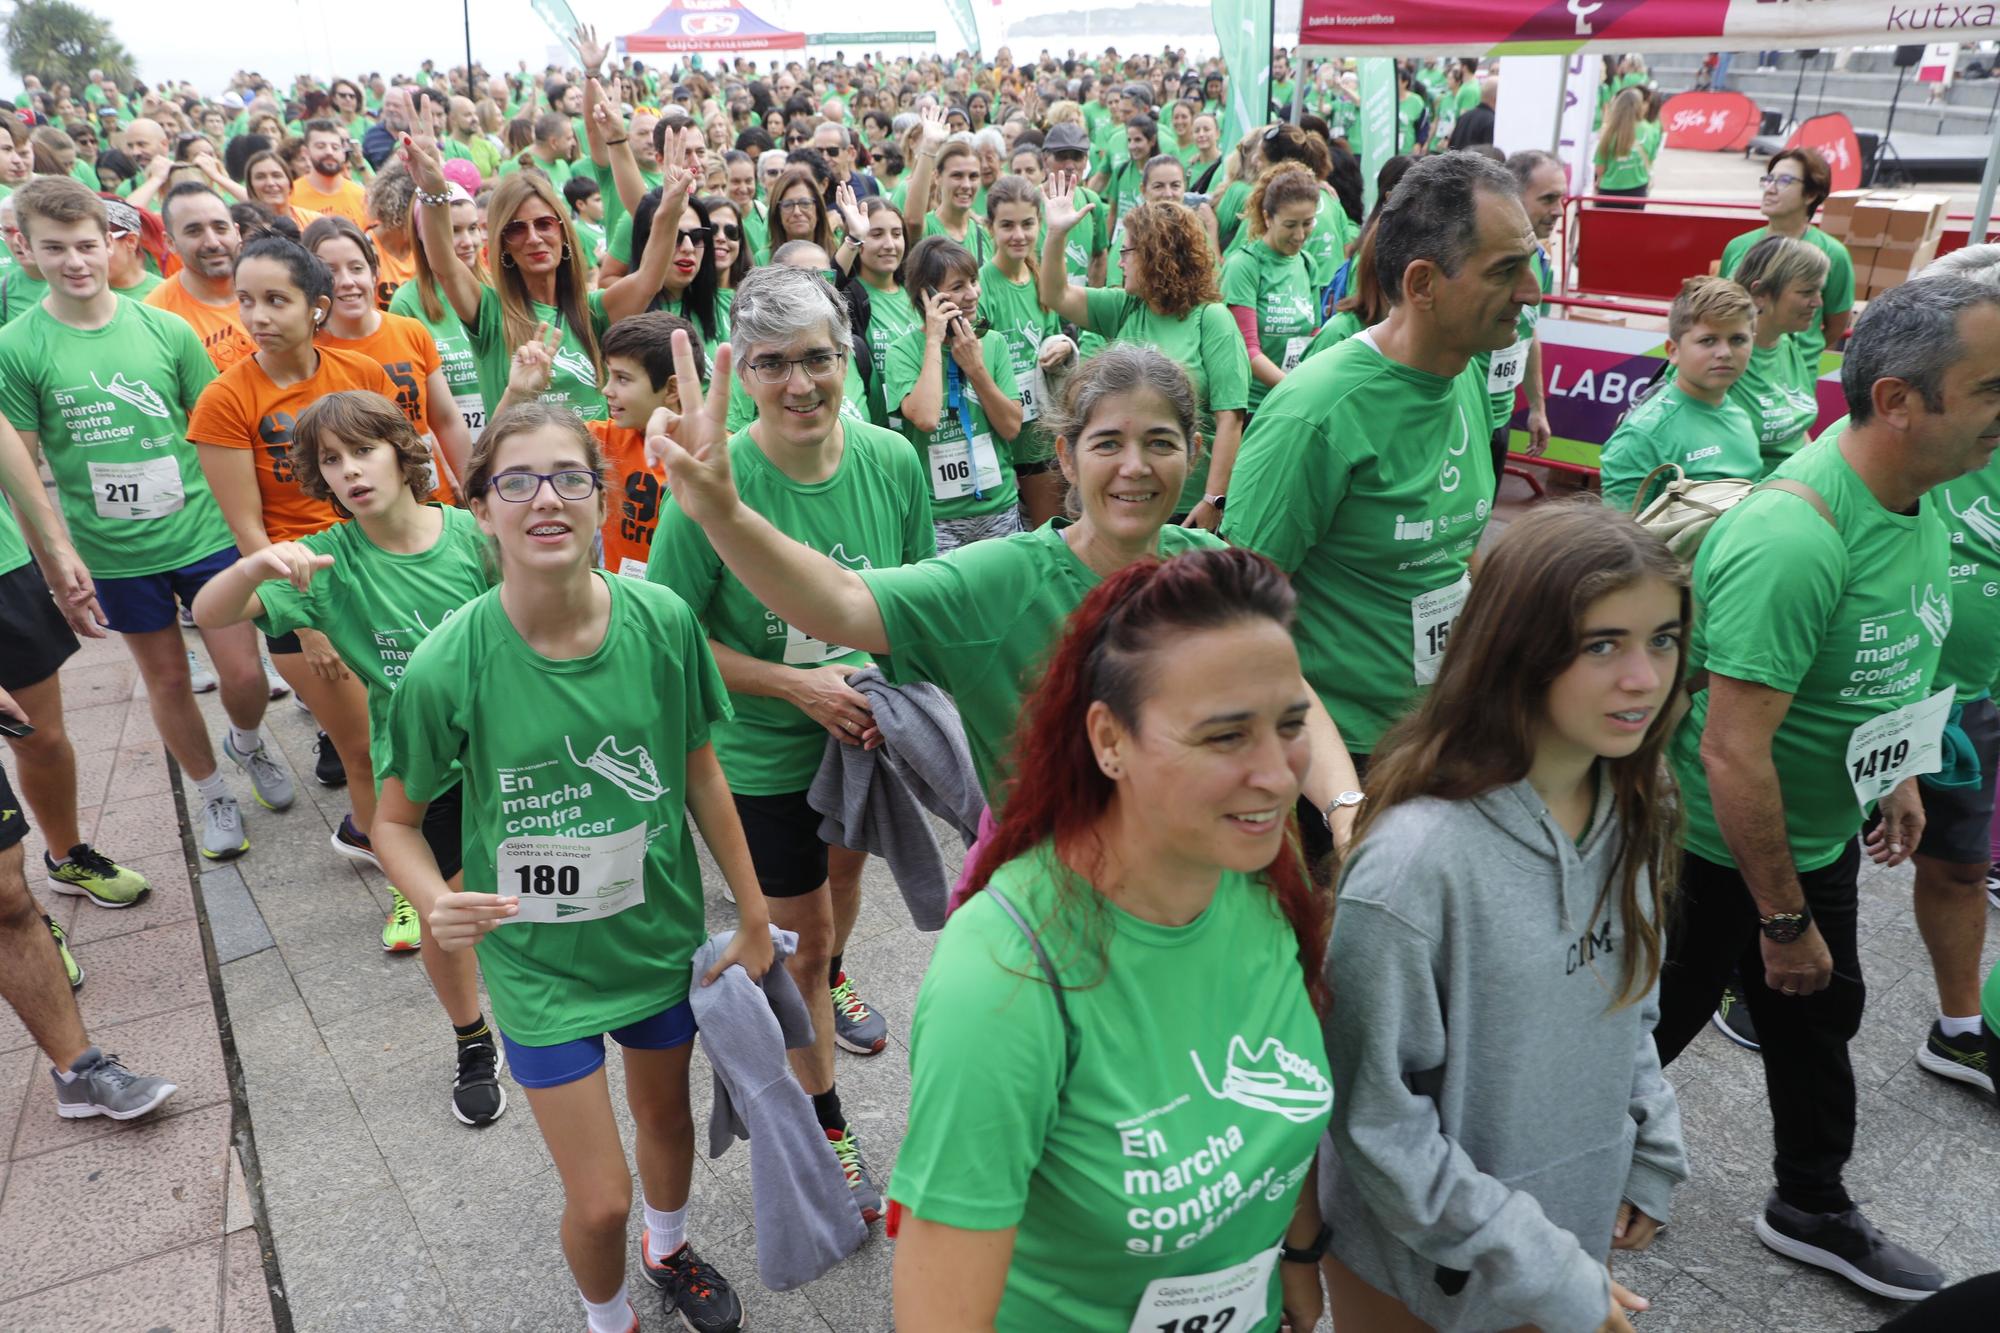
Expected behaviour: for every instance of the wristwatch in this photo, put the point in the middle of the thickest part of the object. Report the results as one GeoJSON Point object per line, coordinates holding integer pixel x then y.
{"type": "Point", "coordinates": [1784, 927]}
{"type": "Point", "coordinates": [1313, 1253]}
{"type": "Point", "coordinates": [1346, 800]}
{"type": "Point", "coordinates": [1215, 500]}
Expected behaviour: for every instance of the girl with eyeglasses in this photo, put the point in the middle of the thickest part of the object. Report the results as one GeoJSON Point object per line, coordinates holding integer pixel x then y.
{"type": "Point", "coordinates": [572, 709]}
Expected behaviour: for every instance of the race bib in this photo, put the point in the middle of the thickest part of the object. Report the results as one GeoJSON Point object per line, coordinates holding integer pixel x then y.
{"type": "Point", "coordinates": [568, 880]}
{"type": "Point", "coordinates": [1431, 615]}
{"type": "Point", "coordinates": [1229, 1300]}
{"type": "Point", "coordinates": [630, 568]}
{"type": "Point", "coordinates": [137, 492]}
{"type": "Point", "coordinates": [472, 411]}
{"type": "Point", "coordinates": [803, 649]}
{"type": "Point", "coordinates": [952, 473]}
{"type": "Point", "coordinates": [1032, 389]}
{"type": "Point", "coordinates": [1295, 349]}
{"type": "Point", "coordinates": [1508, 368]}
{"type": "Point", "coordinates": [1902, 744]}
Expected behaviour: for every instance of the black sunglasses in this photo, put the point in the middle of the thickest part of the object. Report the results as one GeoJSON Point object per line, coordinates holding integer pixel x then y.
{"type": "Point", "coordinates": [730, 231]}
{"type": "Point", "coordinates": [697, 236]}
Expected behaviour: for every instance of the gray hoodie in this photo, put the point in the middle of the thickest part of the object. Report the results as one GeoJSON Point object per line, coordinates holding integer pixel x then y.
{"type": "Point", "coordinates": [1492, 1108]}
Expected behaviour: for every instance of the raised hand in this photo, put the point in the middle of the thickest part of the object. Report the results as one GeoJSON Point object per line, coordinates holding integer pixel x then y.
{"type": "Point", "coordinates": [850, 212]}
{"type": "Point", "coordinates": [425, 163]}
{"type": "Point", "coordinates": [693, 445]}
{"type": "Point", "coordinates": [534, 362]}
{"type": "Point", "coordinates": [1059, 196]}
{"type": "Point", "coordinates": [935, 133]}
{"type": "Point", "coordinates": [939, 312]}
{"type": "Point", "coordinates": [588, 49]}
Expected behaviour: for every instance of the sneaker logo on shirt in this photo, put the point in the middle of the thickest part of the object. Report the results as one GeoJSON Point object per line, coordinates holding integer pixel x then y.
{"type": "Point", "coordinates": [1272, 1079]}
{"type": "Point", "coordinates": [1978, 517]}
{"type": "Point", "coordinates": [631, 771]}
{"type": "Point", "coordinates": [840, 557]}
{"type": "Point", "coordinates": [1934, 611]}
{"type": "Point", "coordinates": [136, 392]}
{"type": "Point", "coordinates": [577, 364]}
{"type": "Point", "coordinates": [1449, 476]}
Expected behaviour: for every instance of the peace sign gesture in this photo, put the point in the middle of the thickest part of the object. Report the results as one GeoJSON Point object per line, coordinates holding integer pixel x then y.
{"type": "Point", "coordinates": [534, 362]}
{"type": "Point", "coordinates": [694, 445]}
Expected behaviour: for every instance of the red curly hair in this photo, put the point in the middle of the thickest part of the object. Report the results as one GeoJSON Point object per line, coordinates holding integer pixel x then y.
{"type": "Point", "coordinates": [1173, 253]}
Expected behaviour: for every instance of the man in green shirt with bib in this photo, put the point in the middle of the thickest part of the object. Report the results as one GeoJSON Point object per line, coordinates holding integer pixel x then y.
{"type": "Point", "coordinates": [1822, 610]}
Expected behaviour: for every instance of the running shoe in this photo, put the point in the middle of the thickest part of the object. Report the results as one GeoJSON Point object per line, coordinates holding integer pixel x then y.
{"type": "Point", "coordinates": [102, 1086]}
{"type": "Point", "coordinates": [71, 967]}
{"type": "Point", "coordinates": [1848, 1244]}
{"type": "Point", "coordinates": [90, 874]}
{"type": "Point", "coordinates": [222, 836]}
{"type": "Point", "coordinates": [268, 777]}
{"type": "Point", "coordinates": [273, 681]}
{"type": "Point", "coordinates": [327, 768]}
{"type": "Point", "coordinates": [1961, 1059]}
{"type": "Point", "coordinates": [701, 1296]}
{"type": "Point", "coordinates": [353, 844]}
{"type": "Point", "coordinates": [476, 1095]}
{"type": "Point", "coordinates": [200, 679]}
{"type": "Point", "coordinates": [1732, 1020]}
{"type": "Point", "coordinates": [186, 614]}
{"type": "Point", "coordinates": [866, 1196]}
{"type": "Point", "coordinates": [401, 933]}
{"type": "Point", "coordinates": [855, 1026]}
{"type": "Point", "coordinates": [1993, 886]}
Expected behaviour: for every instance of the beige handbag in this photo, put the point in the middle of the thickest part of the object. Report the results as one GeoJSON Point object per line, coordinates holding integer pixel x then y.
{"type": "Point", "coordinates": [1682, 514]}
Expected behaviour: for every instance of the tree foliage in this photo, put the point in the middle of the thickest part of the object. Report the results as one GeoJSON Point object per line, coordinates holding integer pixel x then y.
{"type": "Point", "coordinates": [58, 41]}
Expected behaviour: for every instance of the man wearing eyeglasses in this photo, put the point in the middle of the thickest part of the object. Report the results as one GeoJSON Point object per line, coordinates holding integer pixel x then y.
{"type": "Point", "coordinates": [1796, 182]}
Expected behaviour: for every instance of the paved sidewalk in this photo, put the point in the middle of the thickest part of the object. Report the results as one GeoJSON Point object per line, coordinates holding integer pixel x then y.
{"type": "Point", "coordinates": [144, 1225]}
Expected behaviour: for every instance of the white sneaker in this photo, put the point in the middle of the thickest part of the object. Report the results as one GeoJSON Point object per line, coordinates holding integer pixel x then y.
{"type": "Point", "coordinates": [277, 682]}
{"type": "Point", "coordinates": [200, 679]}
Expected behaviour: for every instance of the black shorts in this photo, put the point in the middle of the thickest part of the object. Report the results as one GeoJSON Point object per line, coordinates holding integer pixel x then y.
{"type": "Point", "coordinates": [785, 847]}
{"type": "Point", "coordinates": [1958, 820]}
{"type": "Point", "coordinates": [35, 640]}
{"type": "Point", "coordinates": [284, 645]}
{"type": "Point", "coordinates": [13, 822]}
{"type": "Point", "coordinates": [443, 828]}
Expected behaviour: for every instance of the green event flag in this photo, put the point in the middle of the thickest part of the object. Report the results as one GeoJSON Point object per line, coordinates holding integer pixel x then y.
{"type": "Point", "coordinates": [1378, 121]}
{"type": "Point", "coordinates": [968, 22]}
{"type": "Point", "coordinates": [1243, 28]}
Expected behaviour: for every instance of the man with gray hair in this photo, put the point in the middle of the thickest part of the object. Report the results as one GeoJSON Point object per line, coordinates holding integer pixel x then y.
{"type": "Point", "coordinates": [1366, 474]}
{"type": "Point", "coordinates": [856, 492]}
{"type": "Point", "coordinates": [1826, 605]}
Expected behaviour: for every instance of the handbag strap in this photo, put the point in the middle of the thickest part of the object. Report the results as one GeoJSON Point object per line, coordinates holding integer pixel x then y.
{"type": "Point", "coordinates": [1804, 492]}
{"type": "Point", "coordinates": [1048, 970]}
{"type": "Point", "coordinates": [1639, 500]}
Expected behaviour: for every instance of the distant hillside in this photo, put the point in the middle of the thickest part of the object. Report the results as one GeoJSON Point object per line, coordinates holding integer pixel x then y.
{"type": "Point", "coordinates": [1146, 19]}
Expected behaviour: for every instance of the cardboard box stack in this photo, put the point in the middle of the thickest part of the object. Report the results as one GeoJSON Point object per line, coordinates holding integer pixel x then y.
{"type": "Point", "coordinates": [1890, 234]}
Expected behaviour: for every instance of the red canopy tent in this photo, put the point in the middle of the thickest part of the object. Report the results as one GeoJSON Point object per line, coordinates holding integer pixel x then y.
{"type": "Point", "coordinates": [709, 25]}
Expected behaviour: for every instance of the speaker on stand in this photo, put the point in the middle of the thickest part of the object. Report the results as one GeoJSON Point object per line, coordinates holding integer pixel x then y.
{"type": "Point", "coordinates": [1906, 57]}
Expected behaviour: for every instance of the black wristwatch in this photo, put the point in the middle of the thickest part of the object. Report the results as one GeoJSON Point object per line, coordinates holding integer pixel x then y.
{"type": "Point", "coordinates": [1784, 927]}
{"type": "Point", "coordinates": [1313, 1253]}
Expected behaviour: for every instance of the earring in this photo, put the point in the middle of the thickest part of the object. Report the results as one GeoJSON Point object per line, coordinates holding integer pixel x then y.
{"type": "Point", "coordinates": [506, 260]}
{"type": "Point", "coordinates": [1112, 768]}
{"type": "Point", "coordinates": [565, 258]}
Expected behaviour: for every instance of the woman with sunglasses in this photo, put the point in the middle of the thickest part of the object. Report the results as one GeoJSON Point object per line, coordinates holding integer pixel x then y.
{"type": "Point", "coordinates": [540, 276]}
{"type": "Point", "coordinates": [680, 265]}
{"type": "Point", "coordinates": [732, 251]}
{"type": "Point", "coordinates": [349, 109]}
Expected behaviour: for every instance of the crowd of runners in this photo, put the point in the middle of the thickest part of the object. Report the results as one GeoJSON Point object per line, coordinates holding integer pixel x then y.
{"type": "Point", "coordinates": [770, 451]}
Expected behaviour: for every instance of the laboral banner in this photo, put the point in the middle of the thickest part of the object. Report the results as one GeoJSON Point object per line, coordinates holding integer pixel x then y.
{"type": "Point", "coordinates": [1528, 27]}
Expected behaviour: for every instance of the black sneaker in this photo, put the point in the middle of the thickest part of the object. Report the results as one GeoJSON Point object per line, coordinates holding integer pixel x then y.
{"type": "Point", "coordinates": [701, 1296]}
{"type": "Point", "coordinates": [1848, 1244]}
{"type": "Point", "coordinates": [1732, 1020]}
{"type": "Point", "coordinates": [476, 1095]}
{"type": "Point", "coordinates": [1962, 1059]}
{"type": "Point", "coordinates": [326, 763]}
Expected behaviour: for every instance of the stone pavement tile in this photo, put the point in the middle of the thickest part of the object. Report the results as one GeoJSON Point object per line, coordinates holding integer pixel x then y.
{"type": "Point", "coordinates": [257, 982]}
{"type": "Point", "coordinates": [1814, 1300]}
{"type": "Point", "coordinates": [169, 901]}
{"type": "Point", "coordinates": [93, 775]}
{"type": "Point", "coordinates": [142, 826]}
{"type": "Point", "coordinates": [150, 972]}
{"type": "Point", "coordinates": [88, 684]}
{"type": "Point", "coordinates": [312, 1145]}
{"type": "Point", "coordinates": [151, 1187]}
{"type": "Point", "coordinates": [1940, 1099]}
{"type": "Point", "coordinates": [180, 1046]}
{"type": "Point", "coordinates": [238, 1212]}
{"type": "Point", "coordinates": [361, 1266]}
{"type": "Point", "coordinates": [854, 1297]}
{"type": "Point", "coordinates": [234, 924]}
{"type": "Point", "coordinates": [96, 728]}
{"type": "Point", "coordinates": [20, 1072]}
{"type": "Point", "coordinates": [1967, 1250]}
{"type": "Point", "coordinates": [140, 770]}
{"type": "Point", "coordinates": [246, 1294]}
{"type": "Point", "coordinates": [1683, 1305]}
{"type": "Point", "coordinates": [139, 728]}
{"type": "Point", "coordinates": [177, 1290]}
{"type": "Point", "coordinates": [362, 977]}
{"type": "Point", "coordinates": [1946, 1181]}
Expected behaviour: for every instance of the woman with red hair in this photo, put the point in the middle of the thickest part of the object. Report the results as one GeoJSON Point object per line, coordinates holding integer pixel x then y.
{"type": "Point", "coordinates": [1123, 1016]}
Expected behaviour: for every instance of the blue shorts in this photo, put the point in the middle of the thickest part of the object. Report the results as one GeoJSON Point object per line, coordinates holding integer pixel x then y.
{"type": "Point", "coordinates": [145, 602]}
{"type": "Point", "coordinates": [568, 1061]}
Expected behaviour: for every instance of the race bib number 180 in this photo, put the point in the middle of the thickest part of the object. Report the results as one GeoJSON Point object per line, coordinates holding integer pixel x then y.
{"type": "Point", "coordinates": [568, 880]}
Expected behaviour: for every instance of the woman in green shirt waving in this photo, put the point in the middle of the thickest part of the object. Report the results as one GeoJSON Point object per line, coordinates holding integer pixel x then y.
{"type": "Point", "coordinates": [1122, 1015]}
{"type": "Point", "coordinates": [1784, 277]}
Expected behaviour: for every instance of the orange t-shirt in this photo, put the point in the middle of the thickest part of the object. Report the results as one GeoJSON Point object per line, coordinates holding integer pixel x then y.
{"type": "Point", "coordinates": [408, 355]}
{"type": "Point", "coordinates": [632, 506]}
{"type": "Point", "coordinates": [393, 272]}
{"type": "Point", "coordinates": [219, 327]}
{"type": "Point", "coordinates": [349, 200]}
{"type": "Point", "coordinates": [243, 409]}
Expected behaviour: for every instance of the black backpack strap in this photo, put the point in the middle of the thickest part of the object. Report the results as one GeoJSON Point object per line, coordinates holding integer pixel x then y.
{"type": "Point", "coordinates": [1048, 970]}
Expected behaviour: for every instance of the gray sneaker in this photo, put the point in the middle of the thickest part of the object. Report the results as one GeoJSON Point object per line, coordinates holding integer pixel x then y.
{"type": "Point", "coordinates": [102, 1086]}
{"type": "Point", "coordinates": [856, 1027]}
{"type": "Point", "coordinates": [268, 777]}
{"type": "Point", "coordinates": [200, 679]}
{"type": "Point", "coordinates": [222, 836]}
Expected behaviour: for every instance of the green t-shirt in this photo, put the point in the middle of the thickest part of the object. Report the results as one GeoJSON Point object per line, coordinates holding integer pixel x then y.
{"type": "Point", "coordinates": [1172, 1139]}
{"type": "Point", "coordinates": [1124, 191]}
{"type": "Point", "coordinates": [874, 512]}
{"type": "Point", "coordinates": [853, 400]}
{"type": "Point", "coordinates": [111, 406]}
{"type": "Point", "coordinates": [558, 170]}
{"type": "Point", "coordinates": [455, 358]}
{"type": "Point", "coordinates": [376, 606]}
{"type": "Point", "coordinates": [1277, 289]}
{"type": "Point", "coordinates": [979, 622]}
{"type": "Point", "coordinates": [966, 479]}
{"type": "Point", "coordinates": [139, 290]}
{"type": "Point", "coordinates": [573, 383]}
{"type": "Point", "coordinates": [20, 292]}
{"type": "Point", "coordinates": [1205, 343]}
{"type": "Point", "coordinates": [978, 241]}
{"type": "Point", "coordinates": [1228, 209]}
{"type": "Point", "coordinates": [13, 547]}
{"type": "Point", "coordinates": [570, 766]}
{"type": "Point", "coordinates": [1970, 509]}
{"type": "Point", "coordinates": [1369, 482]}
{"type": "Point", "coordinates": [1708, 443]}
{"type": "Point", "coordinates": [1836, 293]}
{"type": "Point", "coordinates": [1012, 310]}
{"type": "Point", "coordinates": [1468, 95]}
{"type": "Point", "coordinates": [1344, 325]}
{"type": "Point", "coordinates": [1409, 111]}
{"type": "Point", "coordinates": [1778, 392]}
{"type": "Point", "coordinates": [1627, 171]}
{"type": "Point", "coordinates": [1088, 238]}
{"type": "Point", "coordinates": [1650, 134]}
{"type": "Point", "coordinates": [592, 236]}
{"type": "Point", "coordinates": [1848, 618]}
{"type": "Point", "coordinates": [891, 319]}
